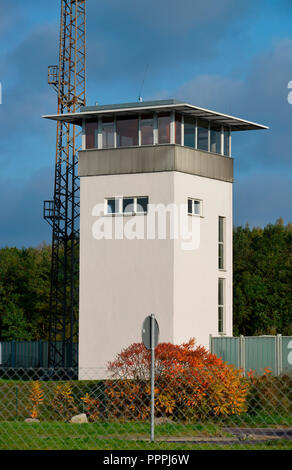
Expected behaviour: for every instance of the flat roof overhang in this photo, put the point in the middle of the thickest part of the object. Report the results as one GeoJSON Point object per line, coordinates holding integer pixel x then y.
{"type": "Point", "coordinates": [90, 112]}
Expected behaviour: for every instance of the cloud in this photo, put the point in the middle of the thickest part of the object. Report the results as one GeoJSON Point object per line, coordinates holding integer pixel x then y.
{"type": "Point", "coordinates": [27, 141]}
{"type": "Point", "coordinates": [123, 37]}
{"type": "Point", "coordinates": [178, 39]}
{"type": "Point", "coordinates": [261, 97]}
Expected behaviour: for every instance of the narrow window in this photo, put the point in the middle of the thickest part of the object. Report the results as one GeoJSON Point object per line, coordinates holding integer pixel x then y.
{"type": "Point", "coordinates": [221, 242]}
{"type": "Point", "coordinates": [142, 204]}
{"type": "Point", "coordinates": [112, 206]}
{"type": "Point", "coordinates": [90, 132]}
{"type": "Point", "coordinates": [108, 133]}
{"type": "Point", "coordinates": [203, 133]}
{"type": "Point", "coordinates": [146, 126]}
{"type": "Point", "coordinates": [221, 301]}
{"type": "Point", "coordinates": [215, 136]}
{"type": "Point", "coordinates": [127, 132]}
{"type": "Point", "coordinates": [164, 128]}
{"type": "Point", "coordinates": [128, 205]}
{"type": "Point", "coordinates": [226, 142]}
{"type": "Point", "coordinates": [189, 131]}
{"type": "Point", "coordinates": [195, 207]}
{"type": "Point", "coordinates": [177, 128]}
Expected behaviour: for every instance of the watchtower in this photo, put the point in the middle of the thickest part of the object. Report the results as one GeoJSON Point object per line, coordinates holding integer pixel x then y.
{"type": "Point", "coordinates": [141, 165]}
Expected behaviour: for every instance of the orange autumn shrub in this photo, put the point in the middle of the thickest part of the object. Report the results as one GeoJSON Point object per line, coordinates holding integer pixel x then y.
{"type": "Point", "coordinates": [36, 398]}
{"type": "Point", "coordinates": [91, 407]}
{"type": "Point", "coordinates": [190, 383]}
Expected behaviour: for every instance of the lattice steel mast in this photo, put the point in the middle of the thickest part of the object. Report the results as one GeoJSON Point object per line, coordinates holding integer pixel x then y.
{"type": "Point", "coordinates": [69, 81]}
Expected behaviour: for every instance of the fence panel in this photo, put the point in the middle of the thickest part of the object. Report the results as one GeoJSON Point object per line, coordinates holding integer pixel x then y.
{"type": "Point", "coordinates": [29, 354]}
{"type": "Point", "coordinates": [255, 353]}
{"type": "Point", "coordinates": [287, 354]}
{"type": "Point", "coordinates": [227, 348]}
{"type": "Point", "coordinates": [260, 354]}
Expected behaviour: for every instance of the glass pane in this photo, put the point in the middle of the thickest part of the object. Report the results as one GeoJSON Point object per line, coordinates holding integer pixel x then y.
{"type": "Point", "coordinates": [127, 132]}
{"type": "Point", "coordinates": [177, 129]}
{"type": "Point", "coordinates": [90, 132]}
{"type": "Point", "coordinates": [146, 125]}
{"type": "Point", "coordinates": [164, 129]}
{"type": "Point", "coordinates": [197, 207]}
{"type": "Point", "coordinates": [221, 256]}
{"type": "Point", "coordinates": [220, 320]}
{"type": "Point", "coordinates": [203, 135]}
{"type": "Point", "coordinates": [221, 229]}
{"type": "Point", "coordinates": [128, 204]}
{"type": "Point", "coordinates": [190, 206]}
{"type": "Point", "coordinates": [226, 142]}
{"type": "Point", "coordinates": [220, 292]}
{"type": "Point", "coordinates": [112, 206]}
{"type": "Point", "coordinates": [142, 204]}
{"type": "Point", "coordinates": [189, 131]}
{"type": "Point", "coordinates": [215, 139]}
{"type": "Point", "coordinates": [108, 132]}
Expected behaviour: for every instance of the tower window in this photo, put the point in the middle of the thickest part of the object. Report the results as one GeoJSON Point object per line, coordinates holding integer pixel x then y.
{"type": "Point", "coordinates": [127, 205]}
{"type": "Point", "coordinates": [203, 135]}
{"type": "Point", "coordinates": [226, 142]}
{"type": "Point", "coordinates": [178, 128]}
{"type": "Point", "coordinates": [189, 131]}
{"type": "Point", "coordinates": [164, 128]}
{"type": "Point", "coordinates": [90, 132]}
{"type": "Point", "coordinates": [146, 126]}
{"type": "Point", "coordinates": [127, 131]}
{"type": "Point", "coordinates": [195, 207]}
{"type": "Point", "coordinates": [108, 133]}
{"type": "Point", "coordinates": [215, 136]}
{"type": "Point", "coordinates": [221, 306]}
{"type": "Point", "coordinates": [221, 242]}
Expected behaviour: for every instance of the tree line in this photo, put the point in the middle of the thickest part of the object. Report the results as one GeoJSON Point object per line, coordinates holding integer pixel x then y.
{"type": "Point", "coordinates": [262, 281]}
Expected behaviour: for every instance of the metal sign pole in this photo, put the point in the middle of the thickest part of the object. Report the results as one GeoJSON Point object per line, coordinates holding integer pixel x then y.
{"type": "Point", "coordinates": [152, 339]}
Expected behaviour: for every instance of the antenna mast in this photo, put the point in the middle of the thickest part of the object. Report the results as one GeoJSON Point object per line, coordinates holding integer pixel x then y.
{"type": "Point", "coordinates": [69, 81]}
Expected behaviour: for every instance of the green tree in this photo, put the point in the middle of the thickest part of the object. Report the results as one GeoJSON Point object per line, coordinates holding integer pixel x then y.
{"type": "Point", "coordinates": [262, 279]}
{"type": "Point", "coordinates": [15, 325]}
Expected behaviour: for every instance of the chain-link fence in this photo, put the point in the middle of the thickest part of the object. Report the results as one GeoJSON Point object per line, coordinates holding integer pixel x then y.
{"type": "Point", "coordinates": [210, 407]}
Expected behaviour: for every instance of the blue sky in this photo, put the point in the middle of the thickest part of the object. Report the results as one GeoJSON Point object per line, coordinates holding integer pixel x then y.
{"type": "Point", "coordinates": [234, 56]}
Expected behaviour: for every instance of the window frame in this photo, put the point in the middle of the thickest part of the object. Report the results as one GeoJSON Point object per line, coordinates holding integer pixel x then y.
{"type": "Point", "coordinates": [221, 243]}
{"type": "Point", "coordinates": [221, 306]}
{"type": "Point", "coordinates": [121, 210]}
{"type": "Point", "coordinates": [195, 200]}
{"type": "Point", "coordinates": [174, 118]}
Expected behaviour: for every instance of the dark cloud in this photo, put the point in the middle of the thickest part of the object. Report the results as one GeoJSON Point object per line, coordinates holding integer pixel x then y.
{"type": "Point", "coordinates": [179, 39]}
{"type": "Point", "coordinates": [260, 97]}
{"type": "Point", "coordinates": [21, 214]}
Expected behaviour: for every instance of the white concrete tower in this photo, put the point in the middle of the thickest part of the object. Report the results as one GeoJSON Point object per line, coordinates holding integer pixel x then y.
{"type": "Point", "coordinates": [139, 158]}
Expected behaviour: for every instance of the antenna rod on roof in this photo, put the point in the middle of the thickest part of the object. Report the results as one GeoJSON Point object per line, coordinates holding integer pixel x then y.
{"type": "Point", "coordinates": [140, 98]}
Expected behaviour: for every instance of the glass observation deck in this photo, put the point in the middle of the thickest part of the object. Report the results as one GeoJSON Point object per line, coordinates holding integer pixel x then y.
{"type": "Point", "coordinates": [156, 123]}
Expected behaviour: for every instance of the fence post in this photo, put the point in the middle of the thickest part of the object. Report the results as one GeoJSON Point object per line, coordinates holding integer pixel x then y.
{"type": "Point", "coordinates": [242, 354]}
{"type": "Point", "coordinates": [279, 360]}
{"type": "Point", "coordinates": [211, 344]}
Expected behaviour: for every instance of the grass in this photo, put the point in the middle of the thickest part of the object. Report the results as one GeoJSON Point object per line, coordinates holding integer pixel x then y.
{"type": "Point", "coordinates": [65, 436]}
{"type": "Point", "coordinates": [50, 434]}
